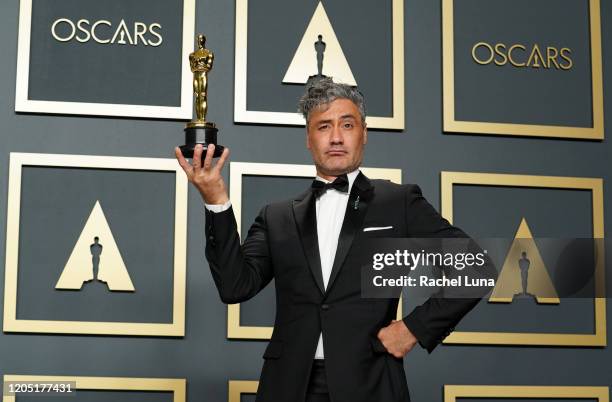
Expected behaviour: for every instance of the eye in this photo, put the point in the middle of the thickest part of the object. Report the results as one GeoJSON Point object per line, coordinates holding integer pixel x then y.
{"type": "Point", "coordinates": [348, 125]}
{"type": "Point", "coordinates": [323, 126]}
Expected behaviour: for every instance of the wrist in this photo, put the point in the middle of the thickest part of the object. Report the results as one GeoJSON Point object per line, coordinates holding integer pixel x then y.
{"type": "Point", "coordinates": [216, 200]}
{"type": "Point", "coordinates": [407, 333]}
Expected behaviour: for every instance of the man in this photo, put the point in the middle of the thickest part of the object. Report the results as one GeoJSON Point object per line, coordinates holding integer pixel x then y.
{"type": "Point", "coordinates": [328, 344]}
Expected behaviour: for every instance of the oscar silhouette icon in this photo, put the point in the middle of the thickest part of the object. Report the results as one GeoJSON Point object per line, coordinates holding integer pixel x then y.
{"type": "Point", "coordinates": [200, 131]}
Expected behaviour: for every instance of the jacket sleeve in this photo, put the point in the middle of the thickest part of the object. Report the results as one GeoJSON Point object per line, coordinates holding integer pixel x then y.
{"type": "Point", "coordinates": [435, 319]}
{"type": "Point", "coordinates": [239, 271]}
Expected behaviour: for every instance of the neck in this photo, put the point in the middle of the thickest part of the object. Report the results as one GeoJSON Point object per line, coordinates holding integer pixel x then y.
{"type": "Point", "coordinates": [327, 177]}
{"type": "Point", "coordinates": [331, 177]}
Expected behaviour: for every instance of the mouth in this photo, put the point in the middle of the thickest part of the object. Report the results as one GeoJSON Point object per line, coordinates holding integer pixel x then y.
{"type": "Point", "coordinates": [336, 152]}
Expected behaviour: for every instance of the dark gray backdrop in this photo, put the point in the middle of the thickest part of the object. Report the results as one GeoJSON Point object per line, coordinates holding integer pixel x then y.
{"type": "Point", "coordinates": [204, 356]}
{"type": "Point", "coordinates": [537, 95]}
{"type": "Point", "coordinates": [132, 74]}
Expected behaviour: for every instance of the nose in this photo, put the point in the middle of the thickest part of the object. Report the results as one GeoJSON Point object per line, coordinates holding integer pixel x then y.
{"type": "Point", "coordinates": [336, 136]}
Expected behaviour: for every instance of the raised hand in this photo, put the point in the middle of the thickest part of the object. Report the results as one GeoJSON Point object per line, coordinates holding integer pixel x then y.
{"type": "Point", "coordinates": [206, 177]}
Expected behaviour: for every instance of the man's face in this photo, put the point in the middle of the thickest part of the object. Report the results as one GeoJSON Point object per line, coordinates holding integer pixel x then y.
{"type": "Point", "coordinates": [336, 138]}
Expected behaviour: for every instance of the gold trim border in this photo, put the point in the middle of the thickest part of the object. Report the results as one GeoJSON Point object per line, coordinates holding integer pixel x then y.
{"type": "Point", "coordinates": [13, 324]}
{"type": "Point", "coordinates": [24, 104]}
{"type": "Point", "coordinates": [240, 169]}
{"type": "Point", "coordinates": [242, 115]}
{"type": "Point", "coordinates": [595, 186]}
{"type": "Point", "coordinates": [452, 392]}
{"type": "Point", "coordinates": [237, 387]}
{"type": "Point", "coordinates": [531, 130]}
{"type": "Point", "coordinates": [178, 386]}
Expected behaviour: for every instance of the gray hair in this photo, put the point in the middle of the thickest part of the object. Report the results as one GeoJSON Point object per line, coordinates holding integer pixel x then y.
{"type": "Point", "coordinates": [323, 91]}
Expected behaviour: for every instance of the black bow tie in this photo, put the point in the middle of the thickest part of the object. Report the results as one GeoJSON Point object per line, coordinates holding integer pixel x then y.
{"type": "Point", "coordinates": [341, 184]}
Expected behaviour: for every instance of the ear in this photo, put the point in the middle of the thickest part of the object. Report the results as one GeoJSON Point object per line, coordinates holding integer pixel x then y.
{"type": "Point", "coordinates": [365, 134]}
{"type": "Point", "coordinates": [307, 138]}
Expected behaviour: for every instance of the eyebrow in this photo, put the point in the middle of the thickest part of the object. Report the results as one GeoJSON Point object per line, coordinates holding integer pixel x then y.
{"type": "Point", "coordinates": [343, 117]}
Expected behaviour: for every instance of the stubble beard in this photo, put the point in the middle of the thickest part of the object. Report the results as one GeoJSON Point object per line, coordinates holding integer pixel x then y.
{"type": "Point", "coordinates": [330, 171]}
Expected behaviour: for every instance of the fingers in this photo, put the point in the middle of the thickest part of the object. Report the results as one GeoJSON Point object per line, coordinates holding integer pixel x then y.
{"type": "Point", "coordinates": [197, 158]}
{"type": "Point", "coordinates": [182, 161]}
{"type": "Point", "coordinates": [381, 337]}
{"type": "Point", "coordinates": [197, 166]}
{"type": "Point", "coordinates": [209, 157]}
{"type": "Point", "coordinates": [222, 159]}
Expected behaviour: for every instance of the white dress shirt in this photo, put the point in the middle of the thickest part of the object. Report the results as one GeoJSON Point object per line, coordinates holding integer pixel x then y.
{"type": "Point", "coordinates": [331, 207]}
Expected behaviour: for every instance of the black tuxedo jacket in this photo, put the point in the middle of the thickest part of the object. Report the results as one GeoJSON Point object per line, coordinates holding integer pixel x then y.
{"type": "Point", "coordinates": [282, 244]}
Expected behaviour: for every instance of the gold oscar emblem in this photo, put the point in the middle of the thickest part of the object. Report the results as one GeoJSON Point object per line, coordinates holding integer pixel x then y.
{"type": "Point", "coordinates": [200, 131]}
{"type": "Point", "coordinates": [96, 257]}
{"type": "Point", "coordinates": [524, 274]}
{"type": "Point", "coordinates": [320, 39]}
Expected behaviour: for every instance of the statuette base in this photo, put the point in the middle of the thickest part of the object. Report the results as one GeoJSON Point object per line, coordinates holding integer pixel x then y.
{"type": "Point", "coordinates": [204, 133]}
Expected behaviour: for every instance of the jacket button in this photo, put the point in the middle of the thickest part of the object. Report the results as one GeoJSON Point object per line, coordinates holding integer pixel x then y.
{"type": "Point", "coordinates": [324, 307]}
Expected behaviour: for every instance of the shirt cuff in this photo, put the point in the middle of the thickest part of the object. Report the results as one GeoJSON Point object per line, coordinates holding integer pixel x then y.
{"type": "Point", "coordinates": [216, 208]}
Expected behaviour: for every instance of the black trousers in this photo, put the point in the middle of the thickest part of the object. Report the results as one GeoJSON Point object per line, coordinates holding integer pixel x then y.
{"type": "Point", "coordinates": [317, 385]}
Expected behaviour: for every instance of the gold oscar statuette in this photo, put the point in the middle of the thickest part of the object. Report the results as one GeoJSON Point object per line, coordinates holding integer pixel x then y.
{"type": "Point", "coordinates": [200, 131]}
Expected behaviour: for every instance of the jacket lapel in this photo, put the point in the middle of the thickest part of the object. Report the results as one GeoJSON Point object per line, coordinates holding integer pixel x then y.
{"type": "Point", "coordinates": [304, 212]}
{"type": "Point", "coordinates": [359, 199]}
